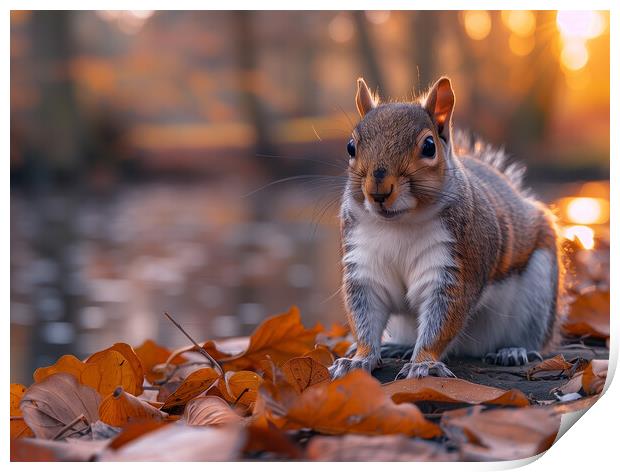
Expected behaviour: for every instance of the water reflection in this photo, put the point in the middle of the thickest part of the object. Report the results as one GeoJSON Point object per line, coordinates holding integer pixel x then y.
{"type": "Point", "coordinates": [88, 271]}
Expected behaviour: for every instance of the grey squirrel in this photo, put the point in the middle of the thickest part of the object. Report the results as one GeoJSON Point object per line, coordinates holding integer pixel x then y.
{"type": "Point", "coordinates": [443, 249]}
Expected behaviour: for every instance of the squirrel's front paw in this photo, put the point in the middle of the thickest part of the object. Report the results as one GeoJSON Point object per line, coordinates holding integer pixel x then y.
{"type": "Point", "coordinates": [415, 370]}
{"type": "Point", "coordinates": [345, 365]}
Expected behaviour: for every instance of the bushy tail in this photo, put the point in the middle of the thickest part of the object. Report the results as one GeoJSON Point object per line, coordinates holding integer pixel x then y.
{"type": "Point", "coordinates": [466, 144]}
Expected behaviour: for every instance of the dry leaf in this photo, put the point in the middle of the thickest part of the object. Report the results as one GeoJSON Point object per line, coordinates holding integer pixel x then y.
{"type": "Point", "coordinates": [589, 314]}
{"type": "Point", "coordinates": [321, 354]}
{"type": "Point", "coordinates": [268, 438]}
{"type": "Point", "coordinates": [19, 428]}
{"type": "Point", "coordinates": [117, 366]}
{"type": "Point", "coordinates": [209, 411]}
{"type": "Point", "coordinates": [555, 363]}
{"type": "Point", "coordinates": [71, 450]}
{"type": "Point", "coordinates": [195, 384]}
{"type": "Point", "coordinates": [103, 371]}
{"type": "Point", "coordinates": [68, 364]}
{"type": "Point", "coordinates": [354, 403]}
{"type": "Point", "coordinates": [303, 372]}
{"type": "Point", "coordinates": [280, 337]}
{"type": "Point", "coordinates": [121, 407]}
{"type": "Point", "coordinates": [389, 448]}
{"type": "Point", "coordinates": [450, 390]}
{"type": "Point", "coordinates": [340, 349]}
{"type": "Point", "coordinates": [132, 431]}
{"type": "Point", "coordinates": [240, 388]}
{"type": "Point", "coordinates": [337, 330]}
{"type": "Point", "coordinates": [151, 354]}
{"type": "Point", "coordinates": [502, 434]}
{"type": "Point", "coordinates": [51, 405]}
{"type": "Point", "coordinates": [176, 442]}
{"type": "Point", "coordinates": [590, 381]}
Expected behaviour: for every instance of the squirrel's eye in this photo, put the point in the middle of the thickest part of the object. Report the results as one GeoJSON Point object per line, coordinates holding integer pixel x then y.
{"type": "Point", "coordinates": [428, 147]}
{"type": "Point", "coordinates": [351, 148]}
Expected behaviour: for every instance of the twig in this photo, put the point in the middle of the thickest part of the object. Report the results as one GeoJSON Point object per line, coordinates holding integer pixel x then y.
{"type": "Point", "coordinates": [201, 350]}
{"type": "Point", "coordinates": [70, 426]}
{"type": "Point", "coordinates": [245, 390]}
{"type": "Point", "coordinates": [166, 379]}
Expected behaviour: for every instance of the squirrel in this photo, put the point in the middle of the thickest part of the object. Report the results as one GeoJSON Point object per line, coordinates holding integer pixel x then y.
{"type": "Point", "coordinates": [444, 251]}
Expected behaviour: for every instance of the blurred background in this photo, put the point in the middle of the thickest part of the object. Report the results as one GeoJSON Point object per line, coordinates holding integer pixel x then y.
{"type": "Point", "coordinates": [145, 146]}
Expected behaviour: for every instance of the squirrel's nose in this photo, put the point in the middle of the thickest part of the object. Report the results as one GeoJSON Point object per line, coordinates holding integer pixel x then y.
{"type": "Point", "coordinates": [381, 197]}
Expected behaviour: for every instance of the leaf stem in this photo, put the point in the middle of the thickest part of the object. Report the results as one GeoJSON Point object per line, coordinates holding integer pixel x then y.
{"type": "Point", "coordinates": [70, 426]}
{"type": "Point", "coordinates": [200, 349]}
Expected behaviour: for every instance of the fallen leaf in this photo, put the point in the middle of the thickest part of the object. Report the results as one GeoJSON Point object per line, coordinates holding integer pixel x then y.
{"type": "Point", "coordinates": [19, 428]}
{"type": "Point", "coordinates": [280, 337]}
{"type": "Point", "coordinates": [210, 411]}
{"type": "Point", "coordinates": [176, 442]}
{"type": "Point", "coordinates": [56, 402]}
{"type": "Point", "coordinates": [321, 354]}
{"type": "Point", "coordinates": [132, 431]}
{"type": "Point", "coordinates": [104, 371]}
{"type": "Point", "coordinates": [68, 364]}
{"type": "Point", "coordinates": [355, 403]}
{"type": "Point", "coordinates": [71, 450]}
{"type": "Point", "coordinates": [303, 372]}
{"type": "Point", "coordinates": [196, 383]}
{"type": "Point", "coordinates": [240, 388]}
{"type": "Point", "coordinates": [555, 363]}
{"type": "Point", "coordinates": [590, 381]}
{"type": "Point", "coordinates": [340, 349]}
{"type": "Point", "coordinates": [389, 448]}
{"type": "Point", "coordinates": [120, 408]}
{"type": "Point", "coordinates": [594, 376]}
{"type": "Point", "coordinates": [502, 434]}
{"type": "Point", "coordinates": [337, 330]}
{"type": "Point", "coordinates": [450, 390]}
{"type": "Point", "coordinates": [589, 314]}
{"type": "Point", "coordinates": [268, 438]}
{"type": "Point", "coordinates": [113, 367]}
{"type": "Point", "coordinates": [152, 354]}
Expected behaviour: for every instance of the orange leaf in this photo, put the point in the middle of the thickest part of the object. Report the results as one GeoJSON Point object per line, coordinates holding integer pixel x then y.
{"type": "Point", "coordinates": [209, 411]}
{"type": "Point", "coordinates": [104, 371]}
{"type": "Point", "coordinates": [19, 428]}
{"type": "Point", "coordinates": [240, 388]}
{"type": "Point", "coordinates": [303, 372]}
{"type": "Point", "coordinates": [555, 363]}
{"type": "Point", "coordinates": [355, 403]}
{"type": "Point", "coordinates": [135, 430]}
{"type": "Point", "coordinates": [322, 355]}
{"type": "Point", "coordinates": [68, 364]}
{"type": "Point", "coordinates": [502, 434]}
{"type": "Point", "coordinates": [451, 390]}
{"type": "Point", "coordinates": [121, 407]}
{"type": "Point", "coordinates": [594, 376]}
{"type": "Point", "coordinates": [337, 330]}
{"type": "Point", "coordinates": [280, 337]}
{"type": "Point", "coordinates": [195, 383]}
{"type": "Point", "coordinates": [152, 354]}
{"type": "Point", "coordinates": [589, 314]}
{"type": "Point", "coordinates": [127, 373]}
{"type": "Point", "coordinates": [341, 348]}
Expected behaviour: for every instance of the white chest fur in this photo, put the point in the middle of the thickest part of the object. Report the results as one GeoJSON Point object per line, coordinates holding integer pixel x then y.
{"type": "Point", "coordinates": [402, 261]}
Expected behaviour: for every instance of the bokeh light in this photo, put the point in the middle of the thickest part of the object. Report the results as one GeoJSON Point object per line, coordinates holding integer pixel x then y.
{"type": "Point", "coordinates": [378, 17]}
{"type": "Point", "coordinates": [580, 24]}
{"type": "Point", "coordinates": [585, 210]}
{"type": "Point", "coordinates": [341, 28]}
{"type": "Point", "coordinates": [574, 55]}
{"type": "Point", "coordinates": [583, 234]}
{"type": "Point", "coordinates": [520, 22]}
{"type": "Point", "coordinates": [520, 45]}
{"type": "Point", "coordinates": [477, 24]}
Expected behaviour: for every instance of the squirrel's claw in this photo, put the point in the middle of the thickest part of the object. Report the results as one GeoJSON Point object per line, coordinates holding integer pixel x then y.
{"type": "Point", "coordinates": [512, 356]}
{"type": "Point", "coordinates": [344, 365]}
{"type": "Point", "coordinates": [416, 370]}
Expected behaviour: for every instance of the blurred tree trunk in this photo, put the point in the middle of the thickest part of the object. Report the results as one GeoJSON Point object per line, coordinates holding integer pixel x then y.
{"type": "Point", "coordinates": [424, 30]}
{"type": "Point", "coordinates": [59, 135]}
{"type": "Point", "coordinates": [249, 77]}
{"type": "Point", "coordinates": [368, 56]}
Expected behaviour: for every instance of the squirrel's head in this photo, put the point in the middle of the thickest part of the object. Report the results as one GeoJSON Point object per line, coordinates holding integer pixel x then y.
{"type": "Point", "coordinates": [398, 154]}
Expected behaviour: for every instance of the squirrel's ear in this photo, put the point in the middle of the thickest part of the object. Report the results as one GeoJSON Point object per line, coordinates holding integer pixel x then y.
{"type": "Point", "coordinates": [439, 103]}
{"type": "Point", "coordinates": [364, 99]}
